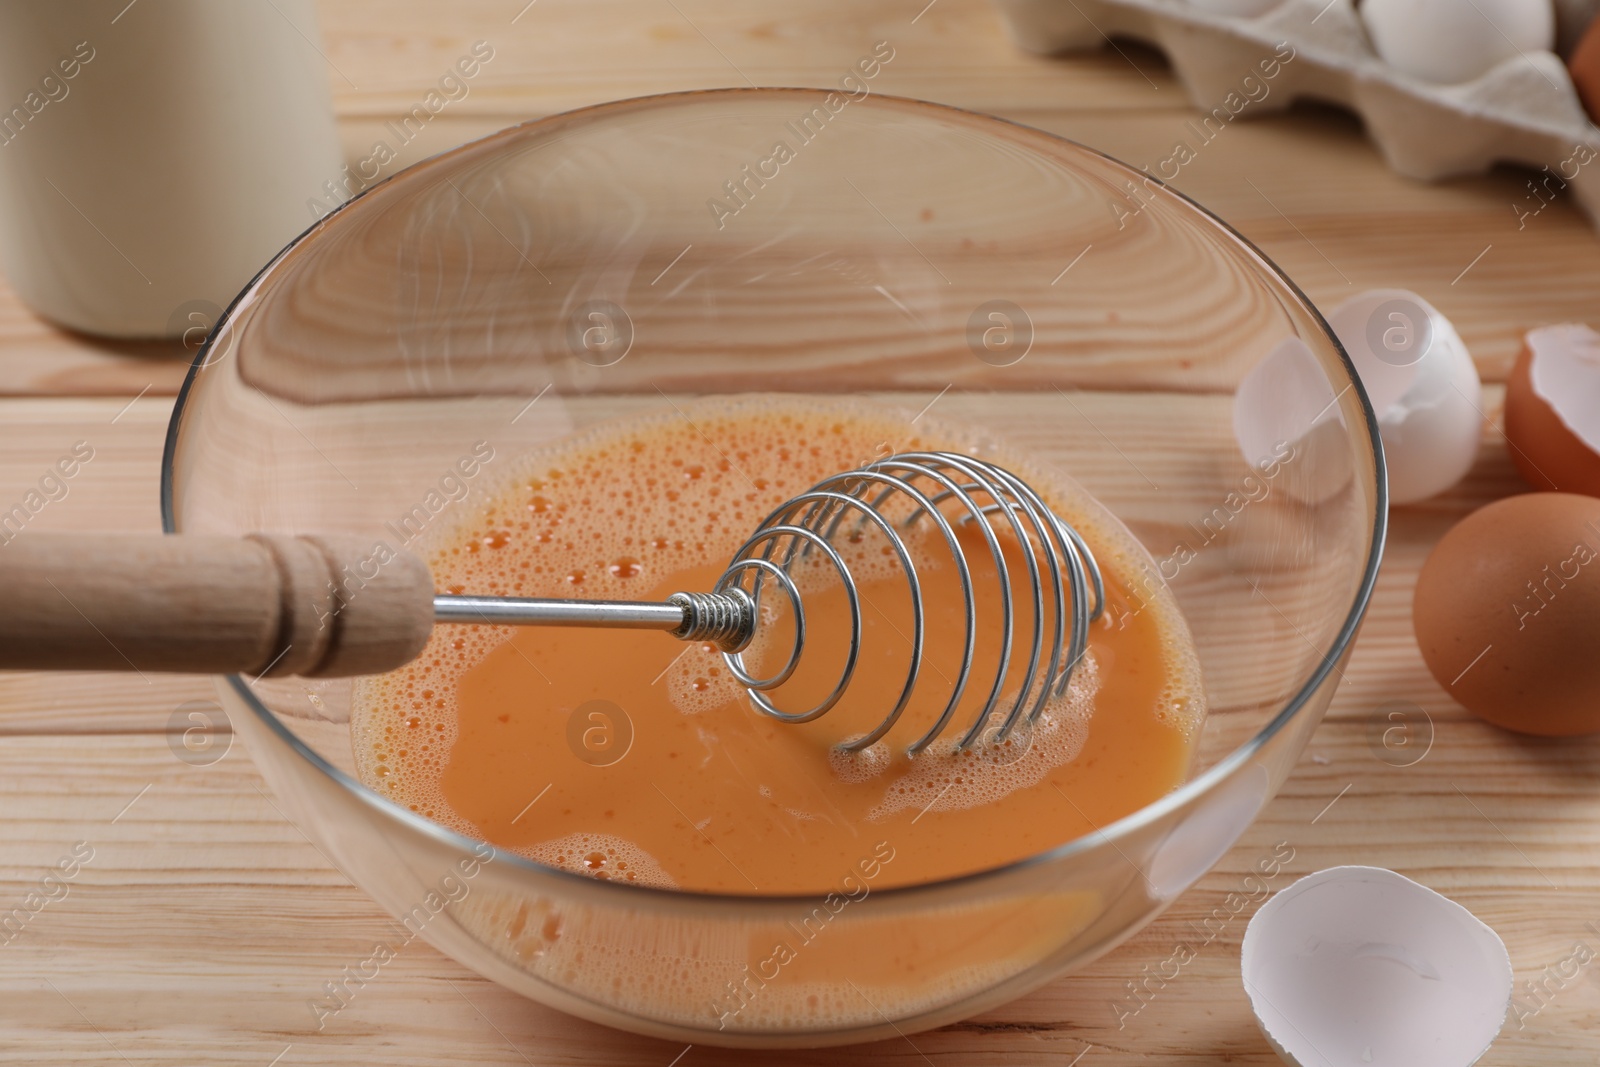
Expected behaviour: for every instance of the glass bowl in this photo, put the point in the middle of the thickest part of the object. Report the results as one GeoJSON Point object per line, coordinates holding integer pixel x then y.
{"type": "Point", "coordinates": [615, 259]}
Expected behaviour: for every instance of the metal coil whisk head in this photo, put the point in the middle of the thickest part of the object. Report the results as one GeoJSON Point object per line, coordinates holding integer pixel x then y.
{"type": "Point", "coordinates": [898, 503]}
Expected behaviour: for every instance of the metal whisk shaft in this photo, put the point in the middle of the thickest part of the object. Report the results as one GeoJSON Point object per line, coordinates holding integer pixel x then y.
{"type": "Point", "coordinates": [727, 620]}
{"type": "Point", "coordinates": [892, 496]}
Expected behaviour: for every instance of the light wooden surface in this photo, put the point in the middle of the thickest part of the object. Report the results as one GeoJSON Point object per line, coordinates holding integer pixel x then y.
{"type": "Point", "coordinates": [204, 921]}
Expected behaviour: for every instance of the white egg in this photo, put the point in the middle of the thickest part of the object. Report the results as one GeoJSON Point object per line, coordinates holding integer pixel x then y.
{"type": "Point", "coordinates": [1422, 384]}
{"type": "Point", "coordinates": [1454, 41]}
{"type": "Point", "coordinates": [1245, 8]}
{"type": "Point", "coordinates": [1362, 967]}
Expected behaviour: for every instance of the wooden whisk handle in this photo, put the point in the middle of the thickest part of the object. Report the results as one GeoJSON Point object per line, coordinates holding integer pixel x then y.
{"type": "Point", "coordinates": [266, 604]}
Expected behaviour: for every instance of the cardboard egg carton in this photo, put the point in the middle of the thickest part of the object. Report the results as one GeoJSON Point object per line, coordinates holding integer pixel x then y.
{"type": "Point", "coordinates": [1525, 110]}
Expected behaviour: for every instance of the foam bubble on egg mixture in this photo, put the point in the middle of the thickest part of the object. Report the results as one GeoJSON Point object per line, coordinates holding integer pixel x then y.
{"type": "Point", "coordinates": [602, 856]}
{"type": "Point", "coordinates": [945, 778]}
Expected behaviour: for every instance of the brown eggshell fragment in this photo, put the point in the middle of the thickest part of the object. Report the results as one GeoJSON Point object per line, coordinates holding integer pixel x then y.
{"type": "Point", "coordinates": [1546, 452]}
{"type": "Point", "coordinates": [1507, 613]}
{"type": "Point", "coordinates": [1584, 67]}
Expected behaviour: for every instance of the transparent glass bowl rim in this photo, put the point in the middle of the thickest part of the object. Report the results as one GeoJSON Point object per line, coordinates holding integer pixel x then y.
{"type": "Point", "coordinates": [643, 895]}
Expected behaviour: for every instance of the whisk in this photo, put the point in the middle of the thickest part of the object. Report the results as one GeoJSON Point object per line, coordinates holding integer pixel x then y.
{"type": "Point", "coordinates": [272, 605]}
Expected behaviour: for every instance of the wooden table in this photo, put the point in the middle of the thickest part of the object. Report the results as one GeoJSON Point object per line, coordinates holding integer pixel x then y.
{"type": "Point", "coordinates": [205, 921]}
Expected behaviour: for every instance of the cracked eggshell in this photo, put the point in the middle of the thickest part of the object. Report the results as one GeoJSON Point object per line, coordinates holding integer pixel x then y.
{"type": "Point", "coordinates": [1573, 17]}
{"type": "Point", "coordinates": [1362, 967]}
{"type": "Point", "coordinates": [1423, 386]}
{"type": "Point", "coordinates": [1553, 409]}
{"type": "Point", "coordinates": [1455, 41]}
{"type": "Point", "coordinates": [1287, 422]}
{"type": "Point", "coordinates": [1584, 66]}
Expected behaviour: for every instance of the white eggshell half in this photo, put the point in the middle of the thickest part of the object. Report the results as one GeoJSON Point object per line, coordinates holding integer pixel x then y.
{"type": "Point", "coordinates": [1244, 8]}
{"type": "Point", "coordinates": [1565, 373]}
{"type": "Point", "coordinates": [1430, 410]}
{"type": "Point", "coordinates": [1455, 41]}
{"type": "Point", "coordinates": [1362, 967]}
{"type": "Point", "coordinates": [1285, 410]}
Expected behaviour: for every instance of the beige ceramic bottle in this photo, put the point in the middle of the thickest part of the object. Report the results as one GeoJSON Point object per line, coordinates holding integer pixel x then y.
{"type": "Point", "coordinates": [155, 154]}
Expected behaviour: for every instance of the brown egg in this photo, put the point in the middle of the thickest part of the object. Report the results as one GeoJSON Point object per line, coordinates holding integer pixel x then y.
{"type": "Point", "coordinates": [1584, 67]}
{"type": "Point", "coordinates": [1507, 612]}
{"type": "Point", "coordinates": [1547, 454]}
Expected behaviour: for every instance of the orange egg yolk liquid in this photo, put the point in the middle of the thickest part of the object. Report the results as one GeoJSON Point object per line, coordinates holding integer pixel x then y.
{"type": "Point", "coordinates": [630, 755]}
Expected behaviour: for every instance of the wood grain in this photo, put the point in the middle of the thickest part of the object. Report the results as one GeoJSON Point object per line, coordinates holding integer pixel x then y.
{"type": "Point", "coordinates": [205, 921]}
{"type": "Point", "coordinates": [38, 359]}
